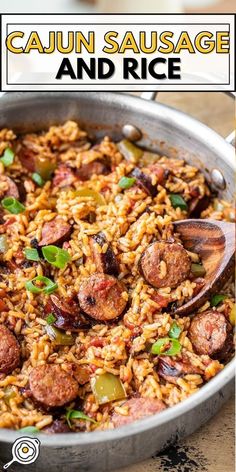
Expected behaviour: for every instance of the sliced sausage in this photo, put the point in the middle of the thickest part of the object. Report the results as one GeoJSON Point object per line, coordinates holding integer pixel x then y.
{"type": "Point", "coordinates": [144, 181]}
{"type": "Point", "coordinates": [57, 427]}
{"type": "Point", "coordinates": [98, 167]}
{"type": "Point", "coordinates": [9, 351]}
{"type": "Point", "coordinates": [197, 205]}
{"type": "Point", "coordinates": [105, 262]}
{"type": "Point", "coordinates": [138, 408]}
{"type": "Point", "coordinates": [176, 267]}
{"type": "Point", "coordinates": [27, 158]}
{"type": "Point", "coordinates": [160, 172]}
{"type": "Point", "coordinates": [170, 369]}
{"type": "Point", "coordinates": [51, 386]}
{"type": "Point", "coordinates": [63, 177]}
{"type": "Point", "coordinates": [100, 296]}
{"type": "Point", "coordinates": [10, 187]}
{"type": "Point", "coordinates": [82, 373]}
{"type": "Point", "coordinates": [55, 231]}
{"type": "Point", "coordinates": [67, 313]}
{"type": "Point", "coordinates": [209, 333]}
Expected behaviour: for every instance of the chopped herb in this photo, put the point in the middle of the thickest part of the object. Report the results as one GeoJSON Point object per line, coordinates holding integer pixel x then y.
{"type": "Point", "coordinates": [75, 415]}
{"type": "Point", "coordinates": [49, 285]}
{"type": "Point", "coordinates": [8, 157]}
{"type": "Point", "coordinates": [126, 182]}
{"type": "Point", "coordinates": [218, 298]}
{"type": "Point", "coordinates": [31, 254]}
{"type": "Point", "coordinates": [50, 319]}
{"type": "Point", "coordinates": [55, 256]}
{"type": "Point", "coordinates": [12, 205]}
{"type": "Point", "coordinates": [178, 202]}
{"type": "Point", "coordinates": [175, 331]}
{"type": "Point", "coordinates": [173, 347]}
{"type": "Point", "coordinates": [29, 430]}
{"type": "Point", "coordinates": [38, 179]}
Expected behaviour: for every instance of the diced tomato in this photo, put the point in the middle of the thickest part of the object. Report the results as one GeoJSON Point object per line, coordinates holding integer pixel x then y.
{"type": "Point", "coordinates": [160, 300]}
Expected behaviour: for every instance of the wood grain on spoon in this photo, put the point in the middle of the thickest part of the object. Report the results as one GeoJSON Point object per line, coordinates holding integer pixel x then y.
{"type": "Point", "coordinates": [214, 242]}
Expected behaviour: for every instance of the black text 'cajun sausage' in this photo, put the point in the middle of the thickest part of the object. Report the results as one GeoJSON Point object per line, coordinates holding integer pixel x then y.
{"type": "Point", "coordinates": [105, 262]}
{"type": "Point", "coordinates": [209, 332]}
{"type": "Point", "coordinates": [67, 313]}
{"type": "Point", "coordinates": [138, 409]}
{"type": "Point", "coordinates": [51, 386]}
{"type": "Point", "coordinates": [10, 189]}
{"type": "Point", "coordinates": [55, 231]}
{"type": "Point", "coordinates": [165, 264]}
{"type": "Point", "coordinates": [9, 351]}
{"type": "Point", "coordinates": [101, 297]}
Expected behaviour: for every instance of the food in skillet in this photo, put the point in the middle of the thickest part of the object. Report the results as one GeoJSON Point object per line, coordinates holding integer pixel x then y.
{"type": "Point", "coordinates": [91, 273]}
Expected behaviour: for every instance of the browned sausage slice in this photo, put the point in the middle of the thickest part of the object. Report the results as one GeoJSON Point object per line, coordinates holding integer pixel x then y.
{"type": "Point", "coordinates": [9, 351]}
{"type": "Point", "coordinates": [98, 167]}
{"type": "Point", "coordinates": [105, 262]}
{"type": "Point", "coordinates": [55, 231]}
{"type": "Point", "coordinates": [67, 313]}
{"type": "Point", "coordinates": [170, 369]}
{"type": "Point", "coordinates": [138, 408]}
{"type": "Point", "coordinates": [165, 264]}
{"type": "Point", "coordinates": [100, 296]}
{"type": "Point", "coordinates": [64, 177]}
{"type": "Point", "coordinates": [51, 386]}
{"type": "Point", "coordinates": [57, 427]}
{"type": "Point", "coordinates": [208, 332]}
{"type": "Point", "coordinates": [10, 189]}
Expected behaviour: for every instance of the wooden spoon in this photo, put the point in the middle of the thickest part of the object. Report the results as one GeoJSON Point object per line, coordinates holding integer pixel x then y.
{"type": "Point", "coordinates": [214, 242]}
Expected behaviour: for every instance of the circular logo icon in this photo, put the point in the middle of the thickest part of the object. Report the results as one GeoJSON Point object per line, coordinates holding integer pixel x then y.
{"type": "Point", "coordinates": [24, 451]}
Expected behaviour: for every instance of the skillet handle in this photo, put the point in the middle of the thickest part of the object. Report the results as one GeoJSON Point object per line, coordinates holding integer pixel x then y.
{"type": "Point", "coordinates": [152, 96]}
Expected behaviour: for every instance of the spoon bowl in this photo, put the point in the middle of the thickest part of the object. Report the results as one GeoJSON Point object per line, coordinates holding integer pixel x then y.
{"type": "Point", "coordinates": [214, 242]}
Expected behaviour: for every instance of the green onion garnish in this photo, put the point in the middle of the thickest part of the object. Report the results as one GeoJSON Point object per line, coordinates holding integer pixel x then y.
{"type": "Point", "coordinates": [75, 415]}
{"type": "Point", "coordinates": [175, 331]}
{"type": "Point", "coordinates": [38, 179]}
{"type": "Point", "coordinates": [7, 157]}
{"type": "Point", "coordinates": [56, 256]}
{"type": "Point", "coordinates": [29, 430]}
{"type": "Point", "coordinates": [49, 285]}
{"type": "Point", "coordinates": [198, 270]}
{"type": "Point", "coordinates": [51, 319]}
{"type": "Point", "coordinates": [31, 254]}
{"type": "Point", "coordinates": [12, 205]}
{"type": "Point", "coordinates": [218, 298]}
{"type": "Point", "coordinates": [178, 202]}
{"type": "Point", "coordinates": [126, 182]}
{"type": "Point", "coordinates": [173, 345]}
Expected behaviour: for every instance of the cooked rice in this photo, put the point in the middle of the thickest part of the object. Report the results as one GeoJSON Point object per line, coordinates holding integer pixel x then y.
{"type": "Point", "coordinates": [130, 221]}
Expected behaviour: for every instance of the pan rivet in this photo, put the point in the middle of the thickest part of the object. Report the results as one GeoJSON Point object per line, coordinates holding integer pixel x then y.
{"type": "Point", "coordinates": [131, 132]}
{"type": "Point", "coordinates": [218, 179]}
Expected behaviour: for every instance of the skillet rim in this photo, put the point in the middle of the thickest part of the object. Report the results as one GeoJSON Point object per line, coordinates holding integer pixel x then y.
{"type": "Point", "coordinates": [196, 129]}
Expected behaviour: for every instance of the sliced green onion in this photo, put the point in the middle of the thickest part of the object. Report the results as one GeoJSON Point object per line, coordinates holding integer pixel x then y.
{"type": "Point", "coordinates": [31, 254]}
{"type": "Point", "coordinates": [126, 182]}
{"type": "Point", "coordinates": [7, 157]}
{"type": "Point", "coordinates": [198, 270]}
{"type": "Point", "coordinates": [218, 298]}
{"type": "Point", "coordinates": [12, 205]}
{"type": "Point", "coordinates": [77, 415]}
{"type": "Point", "coordinates": [175, 331]}
{"type": "Point", "coordinates": [29, 430]}
{"type": "Point", "coordinates": [38, 179]}
{"type": "Point", "coordinates": [175, 347]}
{"type": "Point", "coordinates": [59, 337]}
{"type": "Point", "coordinates": [56, 256]}
{"type": "Point", "coordinates": [50, 319]}
{"type": "Point", "coordinates": [3, 243]}
{"type": "Point", "coordinates": [178, 202]}
{"type": "Point", "coordinates": [49, 285]}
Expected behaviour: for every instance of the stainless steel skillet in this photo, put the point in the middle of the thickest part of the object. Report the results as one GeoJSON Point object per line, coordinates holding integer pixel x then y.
{"type": "Point", "coordinates": [170, 132]}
